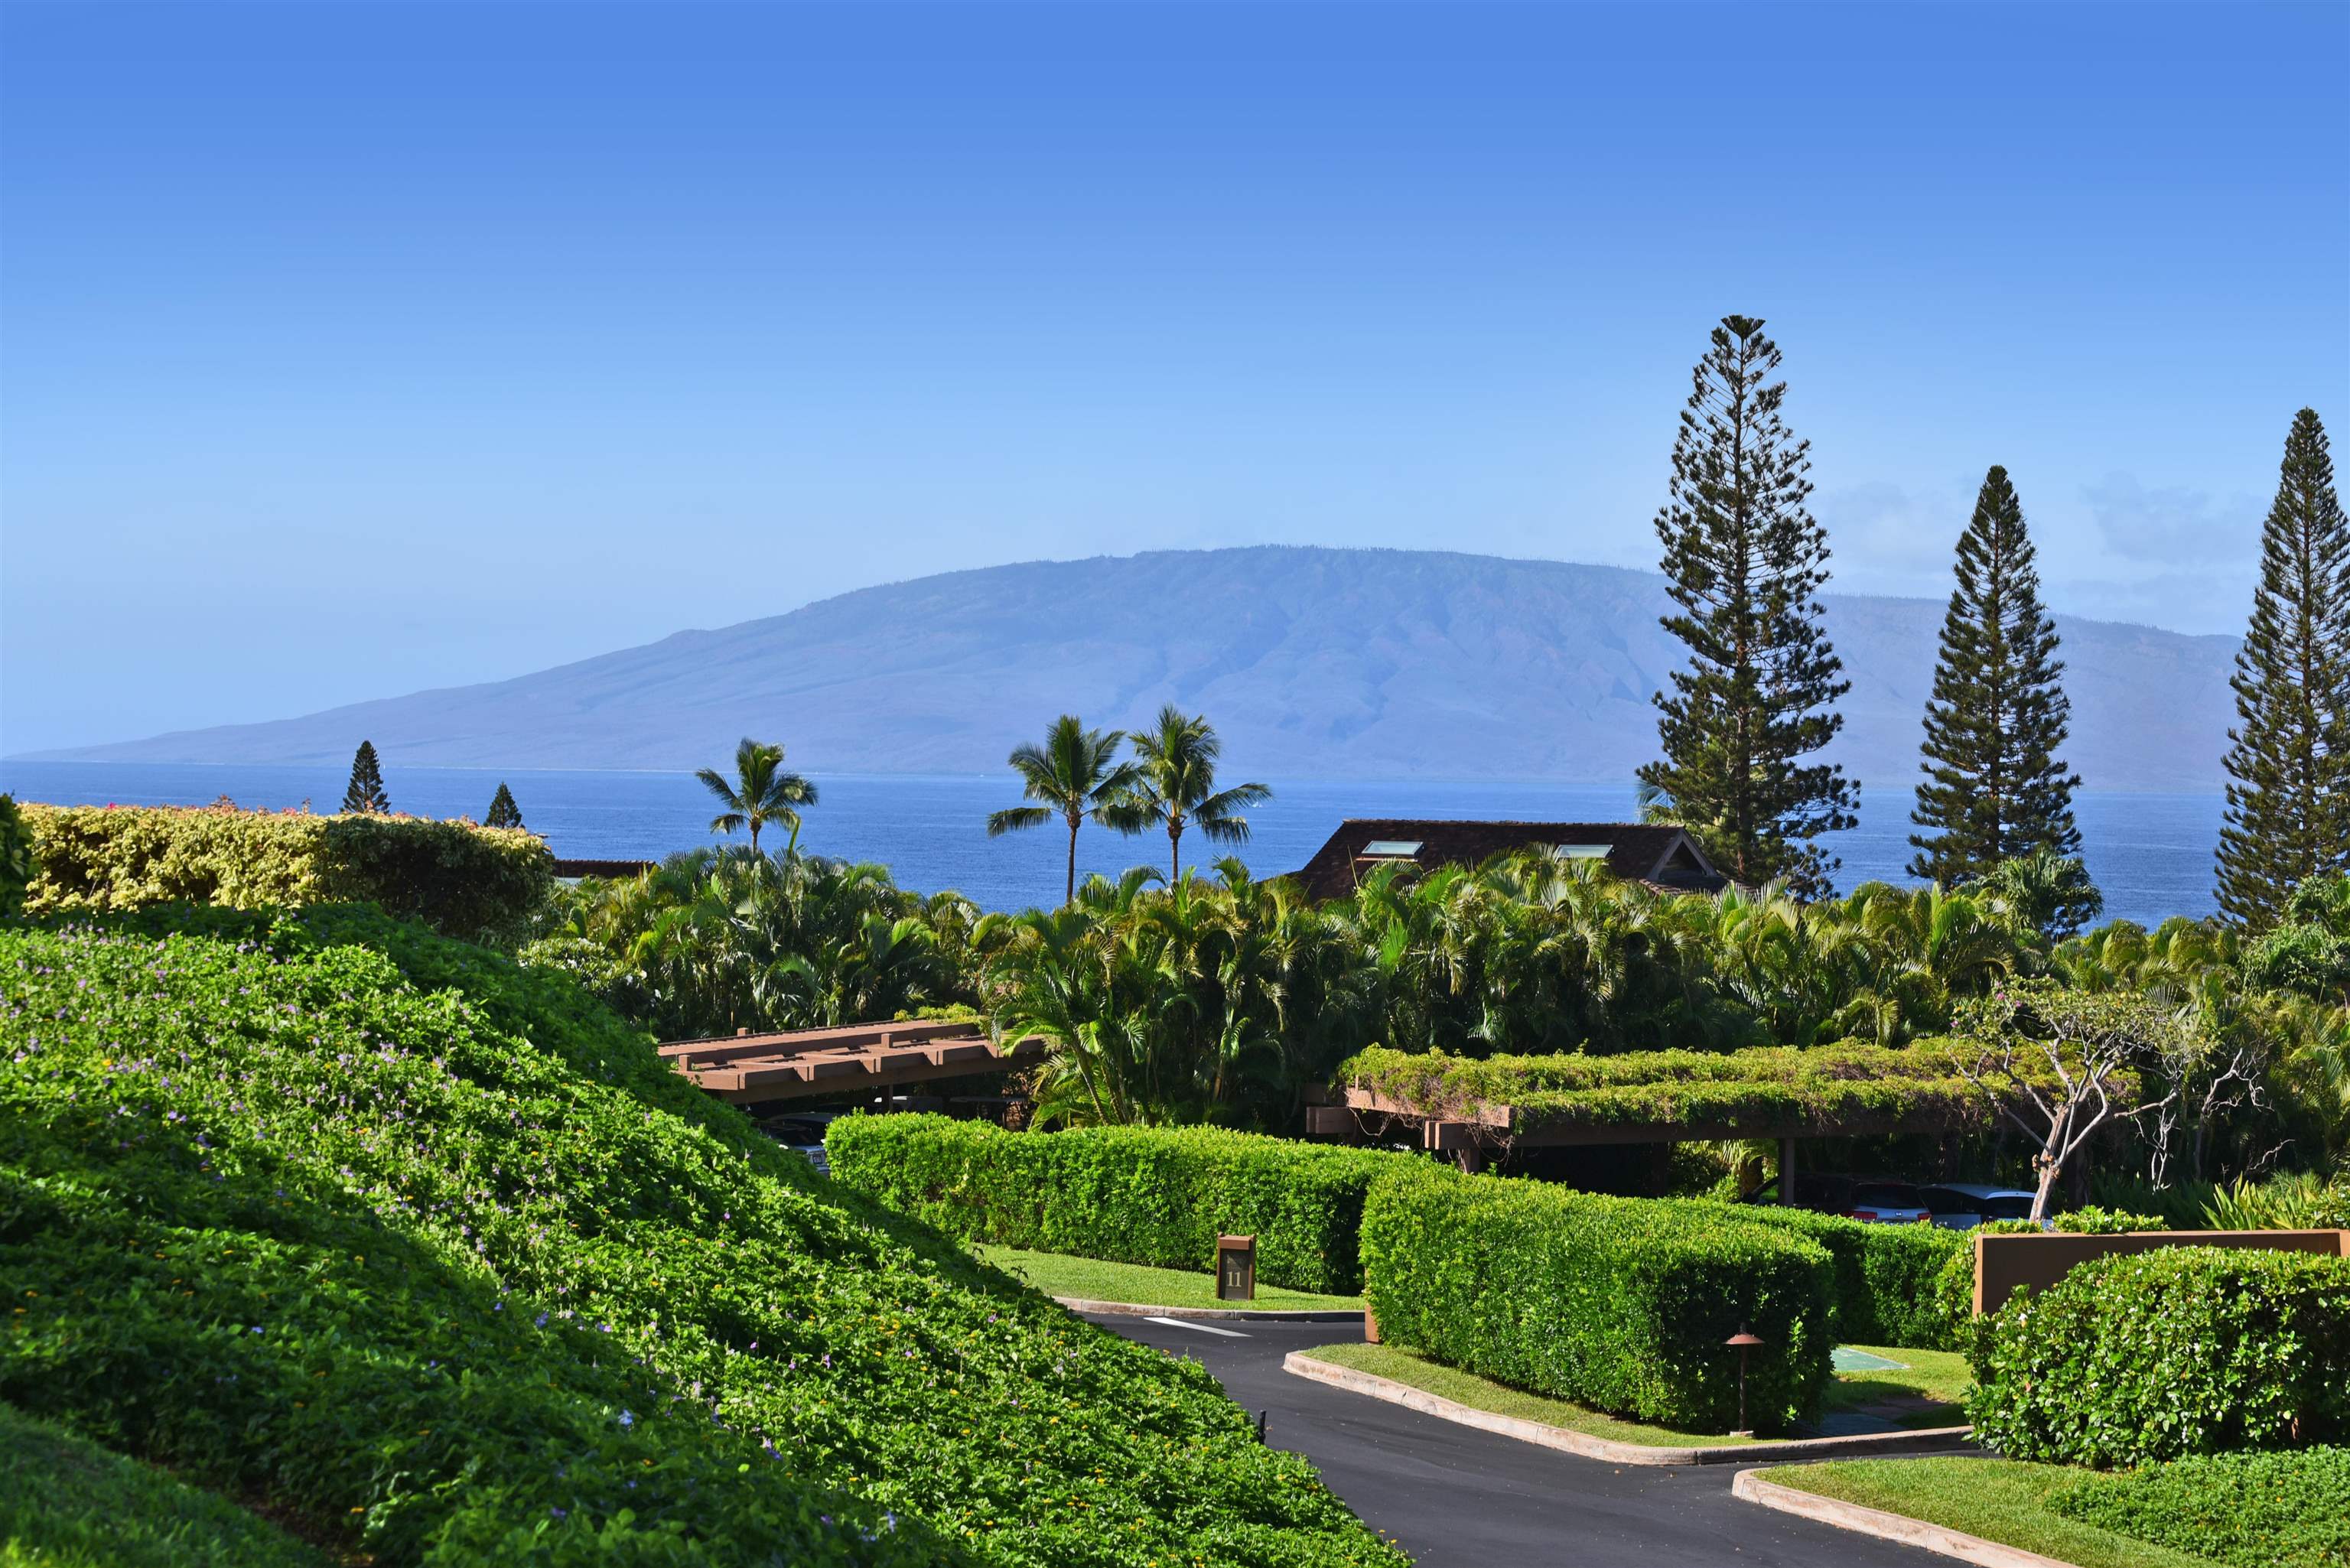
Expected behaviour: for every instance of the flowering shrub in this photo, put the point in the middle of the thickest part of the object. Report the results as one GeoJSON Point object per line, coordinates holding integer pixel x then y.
{"type": "Point", "coordinates": [1593, 1299]}
{"type": "Point", "coordinates": [394, 1233]}
{"type": "Point", "coordinates": [2188, 1349]}
{"type": "Point", "coordinates": [480, 883]}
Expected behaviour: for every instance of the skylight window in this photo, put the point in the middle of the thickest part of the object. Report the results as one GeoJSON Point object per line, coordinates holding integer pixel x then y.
{"type": "Point", "coordinates": [1391, 848]}
{"type": "Point", "coordinates": [1583, 851]}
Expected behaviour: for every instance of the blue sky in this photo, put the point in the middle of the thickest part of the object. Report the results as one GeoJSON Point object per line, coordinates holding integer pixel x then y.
{"type": "Point", "coordinates": [348, 349]}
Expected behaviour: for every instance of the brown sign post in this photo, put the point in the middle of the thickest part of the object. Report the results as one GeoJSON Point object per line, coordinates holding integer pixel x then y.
{"type": "Point", "coordinates": [1236, 1268]}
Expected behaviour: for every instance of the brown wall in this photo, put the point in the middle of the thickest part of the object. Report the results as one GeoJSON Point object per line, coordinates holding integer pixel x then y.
{"type": "Point", "coordinates": [2003, 1262]}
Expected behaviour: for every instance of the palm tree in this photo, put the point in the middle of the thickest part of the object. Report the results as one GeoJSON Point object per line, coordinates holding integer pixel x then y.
{"type": "Point", "coordinates": [1075, 773]}
{"type": "Point", "coordinates": [1177, 787]}
{"type": "Point", "coordinates": [760, 792]}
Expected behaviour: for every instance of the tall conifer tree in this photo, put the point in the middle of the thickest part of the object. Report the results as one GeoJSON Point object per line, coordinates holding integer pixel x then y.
{"type": "Point", "coordinates": [503, 811]}
{"type": "Point", "coordinates": [1995, 788]}
{"type": "Point", "coordinates": [2289, 755]}
{"type": "Point", "coordinates": [365, 792]}
{"type": "Point", "coordinates": [1744, 562]}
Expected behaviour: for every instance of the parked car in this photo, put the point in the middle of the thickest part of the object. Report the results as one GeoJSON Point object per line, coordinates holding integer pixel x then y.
{"type": "Point", "coordinates": [802, 1133]}
{"type": "Point", "coordinates": [1886, 1202]}
{"type": "Point", "coordinates": [1963, 1205]}
{"type": "Point", "coordinates": [1855, 1197]}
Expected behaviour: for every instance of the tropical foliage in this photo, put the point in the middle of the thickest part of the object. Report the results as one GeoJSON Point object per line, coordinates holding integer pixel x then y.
{"type": "Point", "coordinates": [760, 792]}
{"type": "Point", "coordinates": [1174, 787]}
{"type": "Point", "coordinates": [716, 941]}
{"type": "Point", "coordinates": [1076, 777]}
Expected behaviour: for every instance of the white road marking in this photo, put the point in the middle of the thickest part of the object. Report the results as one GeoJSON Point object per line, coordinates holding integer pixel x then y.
{"type": "Point", "coordinates": [1198, 1328]}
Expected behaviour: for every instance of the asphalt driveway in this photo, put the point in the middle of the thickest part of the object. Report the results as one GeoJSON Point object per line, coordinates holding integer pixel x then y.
{"type": "Point", "coordinates": [1459, 1497]}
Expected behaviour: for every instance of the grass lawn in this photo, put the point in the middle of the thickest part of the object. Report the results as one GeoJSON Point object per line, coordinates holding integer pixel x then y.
{"type": "Point", "coordinates": [1093, 1280]}
{"type": "Point", "coordinates": [1925, 1391]}
{"type": "Point", "coordinates": [1999, 1500]}
{"type": "Point", "coordinates": [1393, 1361]}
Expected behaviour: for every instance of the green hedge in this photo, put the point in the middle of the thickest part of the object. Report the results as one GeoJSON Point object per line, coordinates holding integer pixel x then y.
{"type": "Point", "coordinates": [479, 883]}
{"type": "Point", "coordinates": [1592, 1300]}
{"type": "Point", "coordinates": [2243, 1509]}
{"type": "Point", "coordinates": [2188, 1350]}
{"type": "Point", "coordinates": [1890, 1279]}
{"type": "Point", "coordinates": [1156, 1196]}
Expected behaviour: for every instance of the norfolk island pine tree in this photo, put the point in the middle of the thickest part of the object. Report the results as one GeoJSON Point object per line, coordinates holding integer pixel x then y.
{"type": "Point", "coordinates": [1995, 789]}
{"type": "Point", "coordinates": [503, 811]}
{"type": "Point", "coordinates": [364, 792]}
{"type": "Point", "coordinates": [1744, 562]}
{"type": "Point", "coordinates": [2288, 762]}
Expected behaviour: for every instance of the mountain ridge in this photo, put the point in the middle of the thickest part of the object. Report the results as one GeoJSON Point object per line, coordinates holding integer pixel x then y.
{"type": "Point", "coordinates": [1312, 661]}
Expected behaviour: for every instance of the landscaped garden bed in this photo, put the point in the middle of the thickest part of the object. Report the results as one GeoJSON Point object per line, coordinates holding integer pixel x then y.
{"type": "Point", "coordinates": [431, 1254]}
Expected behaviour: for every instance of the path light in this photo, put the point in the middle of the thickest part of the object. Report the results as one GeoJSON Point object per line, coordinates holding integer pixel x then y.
{"type": "Point", "coordinates": [1745, 1342]}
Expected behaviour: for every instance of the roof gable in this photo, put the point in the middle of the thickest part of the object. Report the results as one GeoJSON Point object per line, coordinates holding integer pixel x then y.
{"type": "Point", "coordinates": [1636, 851]}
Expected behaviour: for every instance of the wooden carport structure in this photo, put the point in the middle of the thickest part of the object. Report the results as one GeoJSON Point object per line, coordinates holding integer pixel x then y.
{"type": "Point", "coordinates": [753, 1069]}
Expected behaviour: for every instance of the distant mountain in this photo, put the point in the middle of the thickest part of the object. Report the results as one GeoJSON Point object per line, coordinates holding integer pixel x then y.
{"type": "Point", "coordinates": [1312, 662]}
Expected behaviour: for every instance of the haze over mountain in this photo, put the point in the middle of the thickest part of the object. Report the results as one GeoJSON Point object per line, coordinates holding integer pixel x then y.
{"type": "Point", "coordinates": [1310, 662]}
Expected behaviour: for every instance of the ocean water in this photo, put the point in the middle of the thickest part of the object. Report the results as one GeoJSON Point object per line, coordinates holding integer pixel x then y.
{"type": "Point", "coordinates": [2150, 854]}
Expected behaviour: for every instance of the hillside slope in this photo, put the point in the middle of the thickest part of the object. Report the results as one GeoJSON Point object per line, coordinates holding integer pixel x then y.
{"type": "Point", "coordinates": [1313, 662]}
{"type": "Point", "coordinates": [418, 1247]}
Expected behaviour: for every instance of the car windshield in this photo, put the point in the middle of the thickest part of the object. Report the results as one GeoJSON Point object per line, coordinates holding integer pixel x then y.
{"type": "Point", "coordinates": [2007, 1205]}
{"type": "Point", "coordinates": [1884, 1196]}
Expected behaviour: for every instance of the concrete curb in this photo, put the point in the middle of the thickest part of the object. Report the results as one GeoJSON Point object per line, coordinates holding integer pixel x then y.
{"type": "Point", "coordinates": [1884, 1526]}
{"type": "Point", "coordinates": [1931, 1440]}
{"type": "Point", "coordinates": [1139, 1309]}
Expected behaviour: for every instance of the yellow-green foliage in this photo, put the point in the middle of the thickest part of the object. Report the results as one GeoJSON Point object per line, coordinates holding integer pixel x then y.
{"type": "Point", "coordinates": [468, 881]}
{"type": "Point", "coordinates": [1826, 1088]}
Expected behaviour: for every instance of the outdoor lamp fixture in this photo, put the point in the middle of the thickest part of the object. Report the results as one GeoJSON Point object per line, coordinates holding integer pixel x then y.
{"type": "Point", "coordinates": [1745, 1342]}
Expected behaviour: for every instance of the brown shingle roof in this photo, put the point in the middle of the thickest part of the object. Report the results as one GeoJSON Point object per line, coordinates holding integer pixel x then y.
{"type": "Point", "coordinates": [1638, 852]}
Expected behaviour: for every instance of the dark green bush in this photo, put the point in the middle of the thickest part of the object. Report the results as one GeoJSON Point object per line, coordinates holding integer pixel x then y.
{"type": "Point", "coordinates": [2246, 1510]}
{"type": "Point", "coordinates": [16, 862]}
{"type": "Point", "coordinates": [2187, 1350]}
{"type": "Point", "coordinates": [1889, 1278]}
{"type": "Point", "coordinates": [476, 883]}
{"type": "Point", "coordinates": [65, 1502]}
{"type": "Point", "coordinates": [1593, 1300]}
{"type": "Point", "coordinates": [410, 1241]}
{"type": "Point", "coordinates": [1156, 1196]}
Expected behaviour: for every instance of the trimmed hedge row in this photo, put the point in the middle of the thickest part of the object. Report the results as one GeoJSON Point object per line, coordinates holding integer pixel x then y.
{"type": "Point", "coordinates": [1156, 1196]}
{"type": "Point", "coordinates": [1890, 1279]}
{"type": "Point", "coordinates": [479, 883]}
{"type": "Point", "coordinates": [1590, 1299]}
{"type": "Point", "coordinates": [2188, 1349]}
